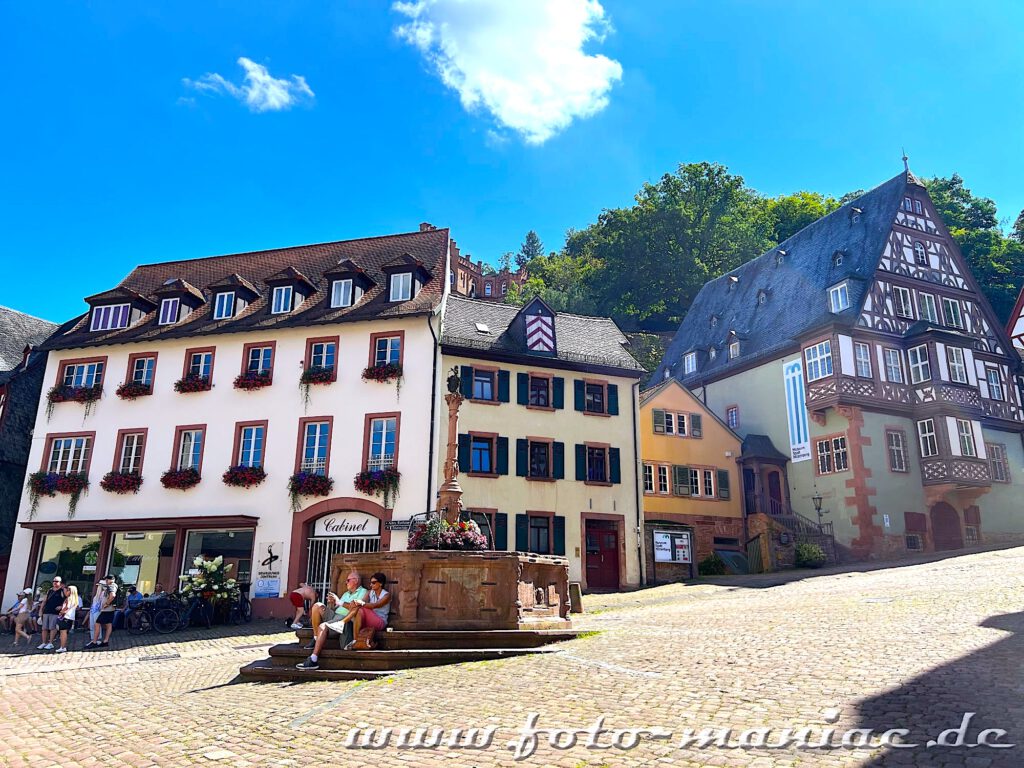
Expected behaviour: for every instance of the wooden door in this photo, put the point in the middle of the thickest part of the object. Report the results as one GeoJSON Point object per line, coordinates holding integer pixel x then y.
{"type": "Point", "coordinates": [602, 559]}
{"type": "Point", "coordinates": [775, 493]}
{"type": "Point", "coordinates": [946, 531]}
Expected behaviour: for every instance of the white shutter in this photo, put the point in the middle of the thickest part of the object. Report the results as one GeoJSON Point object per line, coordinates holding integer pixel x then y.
{"type": "Point", "coordinates": [940, 353]}
{"type": "Point", "coordinates": [979, 440]}
{"type": "Point", "coordinates": [954, 436]}
{"type": "Point", "coordinates": [881, 362]}
{"type": "Point", "coordinates": [846, 356]}
{"type": "Point", "coordinates": [972, 373]}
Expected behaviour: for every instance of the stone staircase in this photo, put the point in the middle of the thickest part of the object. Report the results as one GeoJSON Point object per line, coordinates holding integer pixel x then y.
{"type": "Point", "coordinates": [403, 650]}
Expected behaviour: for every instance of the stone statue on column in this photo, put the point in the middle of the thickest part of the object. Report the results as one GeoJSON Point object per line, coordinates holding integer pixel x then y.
{"type": "Point", "coordinates": [449, 499]}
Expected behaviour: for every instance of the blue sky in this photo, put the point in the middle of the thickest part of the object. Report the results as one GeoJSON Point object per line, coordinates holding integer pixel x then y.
{"type": "Point", "coordinates": [130, 135]}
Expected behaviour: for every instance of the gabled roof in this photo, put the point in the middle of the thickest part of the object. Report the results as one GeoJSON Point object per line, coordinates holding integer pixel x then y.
{"type": "Point", "coordinates": [797, 287]}
{"type": "Point", "coordinates": [650, 393]}
{"type": "Point", "coordinates": [119, 294]}
{"type": "Point", "coordinates": [289, 275]}
{"type": "Point", "coordinates": [761, 447]}
{"type": "Point", "coordinates": [582, 341]}
{"type": "Point", "coordinates": [371, 254]}
{"type": "Point", "coordinates": [17, 331]}
{"type": "Point", "coordinates": [179, 286]}
{"type": "Point", "coordinates": [234, 281]}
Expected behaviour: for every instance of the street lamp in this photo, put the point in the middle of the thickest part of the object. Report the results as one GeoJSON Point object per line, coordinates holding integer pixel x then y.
{"type": "Point", "coordinates": [817, 499]}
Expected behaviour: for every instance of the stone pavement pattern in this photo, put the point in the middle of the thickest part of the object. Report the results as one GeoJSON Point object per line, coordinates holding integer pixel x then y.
{"type": "Point", "coordinates": [903, 647]}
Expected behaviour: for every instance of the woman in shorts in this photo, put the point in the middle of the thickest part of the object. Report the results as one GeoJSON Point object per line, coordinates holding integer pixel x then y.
{"type": "Point", "coordinates": [21, 617]}
{"type": "Point", "coordinates": [66, 616]}
{"type": "Point", "coordinates": [373, 611]}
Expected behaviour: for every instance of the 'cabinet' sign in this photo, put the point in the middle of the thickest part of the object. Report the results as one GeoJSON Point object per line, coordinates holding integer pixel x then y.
{"type": "Point", "coordinates": [347, 524]}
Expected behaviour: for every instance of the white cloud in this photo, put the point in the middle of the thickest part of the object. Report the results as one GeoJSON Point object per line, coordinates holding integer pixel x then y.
{"type": "Point", "coordinates": [260, 91]}
{"type": "Point", "coordinates": [522, 61]}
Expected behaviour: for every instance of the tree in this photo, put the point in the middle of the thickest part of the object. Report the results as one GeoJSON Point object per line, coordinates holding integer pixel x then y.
{"type": "Point", "coordinates": [791, 213]}
{"type": "Point", "coordinates": [1018, 228]}
{"type": "Point", "coordinates": [531, 248]}
{"type": "Point", "coordinates": [505, 262]}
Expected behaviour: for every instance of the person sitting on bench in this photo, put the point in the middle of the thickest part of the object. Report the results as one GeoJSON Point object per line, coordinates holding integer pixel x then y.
{"type": "Point", "coordinates": [373, 611]}
{"type": "Point", "coordinates": [351, 602]}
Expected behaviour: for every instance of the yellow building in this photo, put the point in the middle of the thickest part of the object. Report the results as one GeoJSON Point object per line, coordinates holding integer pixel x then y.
{"type": "Point", "coordinates": [692, 494]}
{"type": "Point", "coordinates": [547, 446]}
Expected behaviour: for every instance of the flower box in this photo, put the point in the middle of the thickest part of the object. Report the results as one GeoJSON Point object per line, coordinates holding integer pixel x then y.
{"type": "Point", "coordinates": [438, 533]}
{"type": "Point", "coordinates": [244, 477]}
{"type": "Point", "coordinates": [317, 374]}
{"type": "Point", "coordinates": [383, 373]}
{"type": "Point", "coordinates": [193, 383]}
{"type": "Point", "coordinates": [374, 482]}
{"type": "Point", "coordinates": [74, 484]}
{"type": "Point", "coordinates": [133, 389]}
{"type": "Point", "coordinates": [251, 380]}
{"type": "Point", "coordinates": [121, 482]}
{"type": "Point", "coordinates": [180, 479]}
{"type": "Point", "coordinates": [65, 393]}
{"type": "Point", "coordinates": [308, 484]}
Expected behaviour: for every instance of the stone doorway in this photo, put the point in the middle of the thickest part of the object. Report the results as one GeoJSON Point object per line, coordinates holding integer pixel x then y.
{"type": "Point", "coordinates": [946, 531]}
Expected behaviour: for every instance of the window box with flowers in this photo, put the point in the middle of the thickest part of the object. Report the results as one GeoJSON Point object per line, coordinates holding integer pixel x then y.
{"type": "Point", "coordinates": [74, 484]}
{"type": "Point", "coordinates": [121, 482]}
{"type": "Point", "coordinates": [438, 533]}
{"type": "Point", "coordinates": [374, 482]}
{"type": "Point", "coordinates": [308, 484]}
{"type": "Point", "coordinates": [251, 380]}
{"type": "Point", "coordinates": [383, 373]}
{"type": "Point", "coordinates": [66, 393]}
{"type": "Point", "coordinates": [315, 375]}
{"type": "Point", "coordinates": [180, 479]}
{"type": "Point", "coordinates": [192, 382]}
{"type": "Point", "coordinates": [130, 390]}
{"type": "Point", "coordinates": [244, 477]}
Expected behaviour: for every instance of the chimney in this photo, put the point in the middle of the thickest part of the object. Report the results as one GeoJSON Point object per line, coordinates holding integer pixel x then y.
{"type": "Point", "coordinates": [455, 249]}
{"type": "Point", "coordinates": [426, 226]}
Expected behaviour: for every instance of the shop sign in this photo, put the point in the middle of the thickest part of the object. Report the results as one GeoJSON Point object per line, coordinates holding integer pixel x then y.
{"type": "Point", "coordinates": [347, 524]}
{"type": "Point", "coordinates": [267, 588]}
{"type": "Point", "coordinates": [672, 547]}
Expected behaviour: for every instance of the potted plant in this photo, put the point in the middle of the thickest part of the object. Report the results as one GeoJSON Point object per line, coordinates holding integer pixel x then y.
{"type": "Point", "coordinates": [374, 482]}
{"type": "Point", "coordinates": [192, 382]}
{"type": "Point", "coordinates": [438, 533]}
{"type": "Point", "coordinates": [121, 482]}
{"type": "Point", "coordinates": [308, 484]}
{"type": "Point", "coordinates": [244, 477]}
{"type": "Point", "coordinates": [383, 373]}
{"type": "Point", "coordinates": [74, 484]}
{"type": "Point", "coordinates": [180, 479]}
{"type": "Point", "coordinates": [251, 380]}
{"type": "Point", "coordinates": [131, 390]}
{"type": "Point", "coordinates": [66, 393]}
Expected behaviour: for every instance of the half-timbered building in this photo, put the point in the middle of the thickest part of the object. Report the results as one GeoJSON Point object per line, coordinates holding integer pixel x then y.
{"type": "Point", "coordinates": [864, 349]}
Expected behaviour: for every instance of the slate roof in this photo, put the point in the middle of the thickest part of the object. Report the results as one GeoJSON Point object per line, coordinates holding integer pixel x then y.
{"type": "Point", "coordinates": [18, 330]}
{"type": "Point", "coordinates": [761, 447]}
{"type": "Point", "coordinates": [796, 289]}
{"type": "Point", "coordinates": [580, 340]}
{"type": "Point", "coordinates": [429, 247]}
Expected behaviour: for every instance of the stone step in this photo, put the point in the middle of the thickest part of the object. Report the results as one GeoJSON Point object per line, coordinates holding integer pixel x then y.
{"type": "Point", "coordinates": [265, 671]}
{"type": "Point", "coordinates": [440, 640]}
{"type": "Point", "coordinates": [390, 660]}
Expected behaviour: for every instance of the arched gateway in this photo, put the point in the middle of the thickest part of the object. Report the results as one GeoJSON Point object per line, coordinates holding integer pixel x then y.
{"type": "Point", "coordinates": [946, 530]}
{"type": "Point", "coordinates": [331, 527]}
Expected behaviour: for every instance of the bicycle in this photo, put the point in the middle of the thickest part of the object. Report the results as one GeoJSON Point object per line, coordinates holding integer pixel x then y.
{"type": "Point", "coordinates": [241, 609]}
{"type": "Point", "coordinates": [200, 610]}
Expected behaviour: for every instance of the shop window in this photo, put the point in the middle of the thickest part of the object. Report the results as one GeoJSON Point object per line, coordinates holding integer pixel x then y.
{"type": "Point", "coordinates": [234, 546]}
{"type": "Point", "coordinates": [72, 556]}
{"type": "Point", "coordinates": [144, 559]}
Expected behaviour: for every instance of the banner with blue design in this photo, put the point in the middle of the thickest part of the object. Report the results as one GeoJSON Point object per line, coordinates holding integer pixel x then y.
{"type": "Point", "coordinates": [796, 411]}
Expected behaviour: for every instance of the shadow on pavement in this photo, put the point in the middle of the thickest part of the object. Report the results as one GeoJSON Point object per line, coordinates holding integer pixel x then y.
{"type": "Point", "coordinates": [988, 682]}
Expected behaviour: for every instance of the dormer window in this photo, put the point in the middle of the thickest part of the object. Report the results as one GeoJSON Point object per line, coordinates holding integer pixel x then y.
{"type": "Point", "coordinates": [780, 257]}
{"type": "Point", "coordinates": [169, 309]}
{"type": "Point", "coordinates": [110, 317]}
{"type": "Point", "coordinates": [224, 305]}
{"type": "Point", "coordinates": [712, 353]}
{"type": "Point", "coordinates": [855, 215]}
{"type": "Point", "coordinates": [341, 293]}
{"type": "Point", "coordinates": [837, 259]}
{"type": "Point", "coordinates": [401, 286]}
{"type": "Point", "coordinates": [908, 205]}
{"type": "Point", "coordinates": [839, 297]}
{"type": "Point", "coordinates": [689, 362]}
{"type": "Point", "coordinates": [762, 298]}
{"type": "Point", "coordinates": [734, 350]}
{"type": "Point", "coordinates": [714, 321]}
{"type": "Point", "coordinates": [918, 208]}
{"type": "Point", "coordinates": [733, 282]}
{"type": "Point", "coordinates": [281, 301]}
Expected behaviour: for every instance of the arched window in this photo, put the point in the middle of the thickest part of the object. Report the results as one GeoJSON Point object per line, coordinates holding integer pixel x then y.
{"type": "Point", "coordinates": [920, 257]}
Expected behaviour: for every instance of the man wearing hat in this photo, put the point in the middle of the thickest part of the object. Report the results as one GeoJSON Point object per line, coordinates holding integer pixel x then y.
{"type": "Point", "coordinates": [48, 614]}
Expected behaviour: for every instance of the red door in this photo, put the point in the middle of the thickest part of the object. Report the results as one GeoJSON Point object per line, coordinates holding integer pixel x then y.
{"type": "Point", "coordinates": [602, 559]}
{"type": "Point", "coordinates": [946, 532]}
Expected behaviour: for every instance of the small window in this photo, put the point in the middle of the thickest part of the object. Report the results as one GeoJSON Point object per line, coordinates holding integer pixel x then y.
{"type": "Point", "coordinates": [250, 446]}
{"type": "Point", "coordinates": [597, 464]}
{"type": "Point", "coordinates": [780, 258]}
{"type": "Point", "coordinates": [951, 309]}
{"type": "Point", "coordinates": [734, 350]}
{"type": "Point", "coordinates": [341, 293]}
{"type": "Point", "coordinates": [142, 370]}
{"type": "Point", "coordinates": [282, 300]}
{"type": "Point", "coordinates": [383, 433]}
{"type": "Point", "coordinates": [690, 362]}
{"type": "Point", "coordinates": [663, 486]}
{"type": "Point", "coordinates": [908, 204]}
{"type": "Point", "coordinates": [712, 353]}
{"type": "Point", "coordinates": [862, 358]}
{"type": "Point", "coordinates": [837, 259]}
{"type": "Point", "coordinates": [648, 478]}
{"type": "Point", "coordinates": [832, 455]}
{"type": "Point", "coordinates": [483, 328]}
{"type": "Point", "coordinates": [926, 307]}
{"type": "Point", "coordinates": [169, 311]}
{"type": "Point", "coordinates": [957, 366]}
{"type": "Point", "coordinates": [920, 257]}
{"type": "Point", "coordinates": [995, 384]}
{"type": "Point", "coordinates": [920, 365]}
{"type": "Point", "coordinates": [387, 349]}
{"type": "Point", "coordinates": [504, 288]}
{"type": "Point", "coordinates": [893, 365]}
{"type": "Point", "coordinates": [483, 385]}
{"type": "Point", "coordinates": [819, 361]}
{"type": "Point", "coordinates": [322, 355]}
{"type": "Point", "coordinates": [918, 208]}
{"type": "Point", "coordinates": [200, 364]}
{"type": "Point", "coordinates": [540, 535]}
{"type": "Point", "coordinates": [762, 298]}
{"type": "Point", "coordinates": [401, 286]}
{"type": "Point", "coordinates": [481, 454]}
{"type": "Point", "coordinates": [110, 317]}
{"type": "Point", "coordinates": [714, 321]}
{"type": "Point", "coordinates": [913, 541]}
{"type": "Point", "coordinates": [540, 459]}
{"type": "Point", "coordinates": [594, 401]}
{"type": "Point", "coordinates": [965, 432]}
{"type": "Point", "coordinates": [130, 453]}
{"type": "Point", "coordinates": [839, 297]}
{"type": "Point", "coordinates": [926, 437]}
{"type": "Point", "coordinates": [260, 360]}
{"type": "Point", "coordinates": [190, 449]}
{"type": "Point", "coordinates": [896, 443]}
{"type": "Point", "coordinates": [540, 391]}
{"type": "Point", "coordinates": [732, 416]}
{"type": "Point", "coordinates": [224, 305]}
{"type": "Point", "coordinates": [902, 302]}
{"type": "Point", "coordinates": [1000, 465]}
{"type": "Point", "coordinates": [488, 288]}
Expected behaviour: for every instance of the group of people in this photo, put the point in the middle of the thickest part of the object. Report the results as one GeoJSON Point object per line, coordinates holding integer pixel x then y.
{"type": "Point", "coordinates": [54, 615]}
{"type": "Point", "coordinates": [353, 618]}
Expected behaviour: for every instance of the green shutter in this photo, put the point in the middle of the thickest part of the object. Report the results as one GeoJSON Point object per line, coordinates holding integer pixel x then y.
{"type": "Point", "coordinates": [522, 457]}
{"type": "Point", "coordinates": [500, 531]}
{"type": "Point", "coordinates": [579, 393]}
{"type": "Point", "coordinates": [723, 483]}
{"type": "Point", "coordinates": [464, 460]}
{"type": "Point", "coordinates": [558, 460]}
{"type": "Point", "coordinates": [680, 480]}
{"type": "Point", "coordinates": [503, 387]}
{"type": "Point", "coordinates": [696, 428]}
{"type": "Point", "coordinates": [613, 399]}
{"type": "Point", "coordinates": [522, 533]}
{"type": "Point", "coordinates": [558, 392]}
{"type": "Point", "coordinates": [502, 451]}
{"type": "Point", "coordinates": [523, 388]}
{"type": "Point", "coordinates": [466, 374]}
{"type": "Point", "coordinates": [558, 526]}
{"type": "Point", "coordinates": [614, 471]}
{"type": "Point", "coordinates": [581, 462]}
{"type": "Point", "coordinates": [659, 421]}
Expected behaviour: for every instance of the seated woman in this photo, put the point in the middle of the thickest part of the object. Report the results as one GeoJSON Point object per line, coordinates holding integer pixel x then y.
{"type": "Point", "coordinates": [373, 611]}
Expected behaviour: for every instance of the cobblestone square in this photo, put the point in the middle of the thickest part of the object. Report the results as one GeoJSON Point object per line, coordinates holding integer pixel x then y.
{"type": "Point", "coordinates": [914, 647]}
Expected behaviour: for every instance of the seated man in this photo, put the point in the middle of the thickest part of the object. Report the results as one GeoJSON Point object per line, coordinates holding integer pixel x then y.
{"type": "Point", "coordinates": [373, 611]}
{"type": "Point", "coordinates": [322, 613]}
{"type": "Point", "coordinates": [351, 602]}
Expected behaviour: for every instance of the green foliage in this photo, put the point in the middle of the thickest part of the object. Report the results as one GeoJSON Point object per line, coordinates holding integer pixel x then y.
{"type": "Point", "coordinates": [789, 214]}
{"type": "Point", "coordinates": [712, 565]}
{"type": "Point", "coordinates": [648, 348]}
{"type": "Point", "coordinates": [505, 262]}
{"type": "Point", "coordinates": [809, 555]}
{"type": "Point", "coordinates": [531, 248]}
